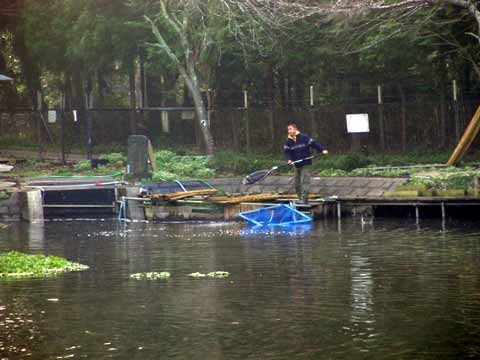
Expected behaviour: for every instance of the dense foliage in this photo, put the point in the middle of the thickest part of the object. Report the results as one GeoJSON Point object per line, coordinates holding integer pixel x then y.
{"type": "Point", "coordinates": [78, 46]}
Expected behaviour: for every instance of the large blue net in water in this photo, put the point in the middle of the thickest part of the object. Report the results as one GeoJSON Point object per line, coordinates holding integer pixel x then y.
{"type": "Point", "coordinates": [275, 215]}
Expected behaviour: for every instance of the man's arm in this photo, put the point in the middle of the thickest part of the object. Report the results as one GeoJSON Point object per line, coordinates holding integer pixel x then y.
{"type": "Point", "coordinates": [317, 146]}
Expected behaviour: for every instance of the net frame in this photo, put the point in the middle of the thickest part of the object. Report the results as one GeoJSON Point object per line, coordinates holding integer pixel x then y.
{"type": "Point", "coordinates": [276, 215]}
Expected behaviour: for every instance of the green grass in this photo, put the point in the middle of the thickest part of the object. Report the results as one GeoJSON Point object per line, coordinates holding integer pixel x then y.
{"type": "Point", "coordinates": [172, 166]}
{"type": "Point", "coordinates": [15, 264]}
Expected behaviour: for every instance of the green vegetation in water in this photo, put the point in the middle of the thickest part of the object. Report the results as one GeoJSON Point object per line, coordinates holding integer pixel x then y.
{"type": "Point", "coordinates": [213, 274]}
{"type": "Point", "coordinates": [218, 274]}
{"type": "Point", "coordinates": [18, 265]}
{"type": "Point", "coordinates": [164, 275]}
{"type": "Point", "coordinates": [197, 275]}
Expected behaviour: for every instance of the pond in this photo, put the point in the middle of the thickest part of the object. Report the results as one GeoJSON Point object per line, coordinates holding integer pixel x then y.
{"type": "Point", "coordinates": [387, 290]}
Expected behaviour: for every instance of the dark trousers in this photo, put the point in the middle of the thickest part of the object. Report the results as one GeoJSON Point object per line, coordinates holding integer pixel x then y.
{"type": "Point", "coordinates": [302, 182]}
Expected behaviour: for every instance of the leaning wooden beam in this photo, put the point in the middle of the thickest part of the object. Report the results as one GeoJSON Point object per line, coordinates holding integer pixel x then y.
{"type": "Point", "coordinates": [183, 194]}
{"type": "Point", "coordinates": [245, 198]}
{"type": "Point", "coordinates": [467, 139]}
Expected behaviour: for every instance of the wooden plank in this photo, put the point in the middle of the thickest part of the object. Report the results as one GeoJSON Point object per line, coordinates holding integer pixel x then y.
{"type": "Point", "coordinates": [75, 188]}
{"type": "Point", "coordinates": [183, 194]}
{"type": "Point", "coordinates": [76, 206]}
{"type": "Point", "coordinates": [243, 199]}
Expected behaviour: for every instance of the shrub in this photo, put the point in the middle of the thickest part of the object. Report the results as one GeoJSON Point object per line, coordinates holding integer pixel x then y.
{"type": "Point", "coordinates": [83, 165]}
{"type": "Point", "coordinates": [115, 158]}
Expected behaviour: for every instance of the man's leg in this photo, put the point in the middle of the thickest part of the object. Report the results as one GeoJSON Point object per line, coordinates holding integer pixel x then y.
{"type": "Point", "coordinates": [298, 182]}
{"type": "Point", "coordinates": [306, 180]}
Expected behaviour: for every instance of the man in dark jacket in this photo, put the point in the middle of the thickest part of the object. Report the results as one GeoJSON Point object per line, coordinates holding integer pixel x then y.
{"type": "Point", "coordinates": [298, 147]}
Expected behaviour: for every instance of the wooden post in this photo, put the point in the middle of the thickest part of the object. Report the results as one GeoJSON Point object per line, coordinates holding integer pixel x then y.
{"type": "Point", "coordinates": [475, 186]}
{"type": "Point", "coordinates": [271, 121]}
{"type": "Point", "coordinates": [313, 125]}
{"type": "Point", "coordinates": [62, 135]}
{"type": "Point", "coordinates": [247, 120]}
{"type": "Point", "coordinates": [404, 117]}
{"type": "Point", "coordinates": [38, 122]}
{"type": "Point", "coordinates": [89, 122]}
{"type": "Point", "coordinates": [458, 129]}
{"type": "Point", "coordinates": [381, 124]}
{"type": "Point", "coordinates": [38, 97]}
{"type": "Point", "coordinates": [233, 124]}
{"type": "Point", "coordinates": [62, 129]}
{"type": "Point", "coordinates": [312, 101]}
{"type": "Point", "coordinates": [443, 121]}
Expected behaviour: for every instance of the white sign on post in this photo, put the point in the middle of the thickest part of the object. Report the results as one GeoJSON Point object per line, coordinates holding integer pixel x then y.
{"type": "Point", "coordinates": [52, 116]}
{"type": "Point", "coordinates": [358, 123]}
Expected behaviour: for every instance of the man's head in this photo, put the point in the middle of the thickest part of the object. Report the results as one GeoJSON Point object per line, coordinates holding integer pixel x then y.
{"type": "Point", "coordinates": [292, 129]}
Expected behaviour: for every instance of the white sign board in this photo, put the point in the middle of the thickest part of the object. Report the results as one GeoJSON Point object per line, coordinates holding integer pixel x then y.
{"type": "Point", "coordinates": [358, 123]}
{"type": "Point", "coordinates": [165, 122]}
{"type": "Point", "coordinates": [52, 116]}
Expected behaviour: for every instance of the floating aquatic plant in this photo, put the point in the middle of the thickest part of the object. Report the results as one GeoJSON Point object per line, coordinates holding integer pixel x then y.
{"type": "Point", "coordinates": [197, 275]}
{"type": "Point", "coordinates": [213, 274]}
{"type": "Point", "coordinates": [218, 274]}
{"type": "Point", "coordinates": [18, 265]}
{"type": "Point", "coordinates": [150, 275]}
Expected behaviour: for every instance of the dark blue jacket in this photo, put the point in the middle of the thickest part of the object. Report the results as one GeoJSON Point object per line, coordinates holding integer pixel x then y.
{"type": "Point", "coordinates": [300, 149]}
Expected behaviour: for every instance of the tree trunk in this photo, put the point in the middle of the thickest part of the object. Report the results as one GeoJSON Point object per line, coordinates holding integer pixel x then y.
{"type": "Point", "coordinates": [200, 108]}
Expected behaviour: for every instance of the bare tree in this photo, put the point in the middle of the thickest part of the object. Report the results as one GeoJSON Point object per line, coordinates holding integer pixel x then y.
{"type": "Point", "coordinates": [183, 31]}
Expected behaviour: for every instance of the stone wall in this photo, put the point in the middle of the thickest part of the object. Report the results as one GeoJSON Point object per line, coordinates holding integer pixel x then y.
{"type": "Point", "coordinates": [333, 186]}
{"type": "Point", "coordinates": [10, 208]}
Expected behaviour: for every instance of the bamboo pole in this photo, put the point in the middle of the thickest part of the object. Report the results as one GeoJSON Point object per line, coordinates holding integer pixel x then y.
{"type": "Point", "coordinates": [182, 194]}
{"type": "Point", "coordinates": [467, 139]}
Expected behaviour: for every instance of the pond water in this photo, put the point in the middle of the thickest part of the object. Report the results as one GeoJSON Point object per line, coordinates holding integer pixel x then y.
{"type": "Point", "coordinates": [390, 290]}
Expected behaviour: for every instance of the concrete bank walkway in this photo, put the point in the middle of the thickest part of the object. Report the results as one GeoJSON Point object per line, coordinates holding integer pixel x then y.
{"type": "Point", "coordinates": [325, 186]}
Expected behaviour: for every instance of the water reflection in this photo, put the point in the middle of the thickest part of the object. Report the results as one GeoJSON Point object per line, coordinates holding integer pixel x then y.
{"type": "Point", "coordinates": [292, 230]}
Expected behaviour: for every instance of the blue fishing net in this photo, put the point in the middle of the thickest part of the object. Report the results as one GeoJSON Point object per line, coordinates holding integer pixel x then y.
{"type": "Point", "coordinates": [275, 215]}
